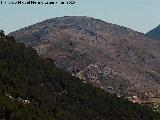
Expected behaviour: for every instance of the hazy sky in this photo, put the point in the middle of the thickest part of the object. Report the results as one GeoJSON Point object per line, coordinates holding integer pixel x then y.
{"type": "Point", "coordinates": [140, 15]}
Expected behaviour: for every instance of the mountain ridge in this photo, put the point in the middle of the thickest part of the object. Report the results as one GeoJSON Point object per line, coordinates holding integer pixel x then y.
{"type": "Point", "coordinates": [154, 33]}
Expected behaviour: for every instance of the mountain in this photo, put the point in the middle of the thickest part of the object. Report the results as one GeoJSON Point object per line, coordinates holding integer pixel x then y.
{"type": "Point", "coordinates": [115, 58]}
{"type": "Point", "coordinates": [155, 33]}
{"type": "Point", "coordinates": [32, 88]}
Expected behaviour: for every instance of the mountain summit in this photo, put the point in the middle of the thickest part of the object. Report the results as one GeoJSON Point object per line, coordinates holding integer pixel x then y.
{"type": "Point", "coordinates": [115, 58]}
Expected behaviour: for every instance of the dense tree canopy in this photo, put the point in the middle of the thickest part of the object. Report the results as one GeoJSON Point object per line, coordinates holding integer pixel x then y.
{"type": "Point", "coordinates": [32, 88]}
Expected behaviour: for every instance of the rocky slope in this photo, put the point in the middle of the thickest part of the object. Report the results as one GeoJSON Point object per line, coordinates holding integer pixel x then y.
{"type": "Point", "coordinates": [155, 33]}
{"type": "Point", "coordinates": [112, 57]}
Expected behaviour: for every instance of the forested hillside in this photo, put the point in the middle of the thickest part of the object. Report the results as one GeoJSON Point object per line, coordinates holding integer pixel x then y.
{"type": "Point", "coordinates": [32, 88]}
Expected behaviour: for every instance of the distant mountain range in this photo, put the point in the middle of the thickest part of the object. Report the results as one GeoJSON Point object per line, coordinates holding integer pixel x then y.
{"type": "Point", "coordinates": [155, 33]}
{"type": "Point", "coordinates": [115, 58]}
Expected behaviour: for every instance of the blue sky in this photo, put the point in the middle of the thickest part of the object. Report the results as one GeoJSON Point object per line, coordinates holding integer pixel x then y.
{"type": "Point", "coordinates": [140, 15]}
